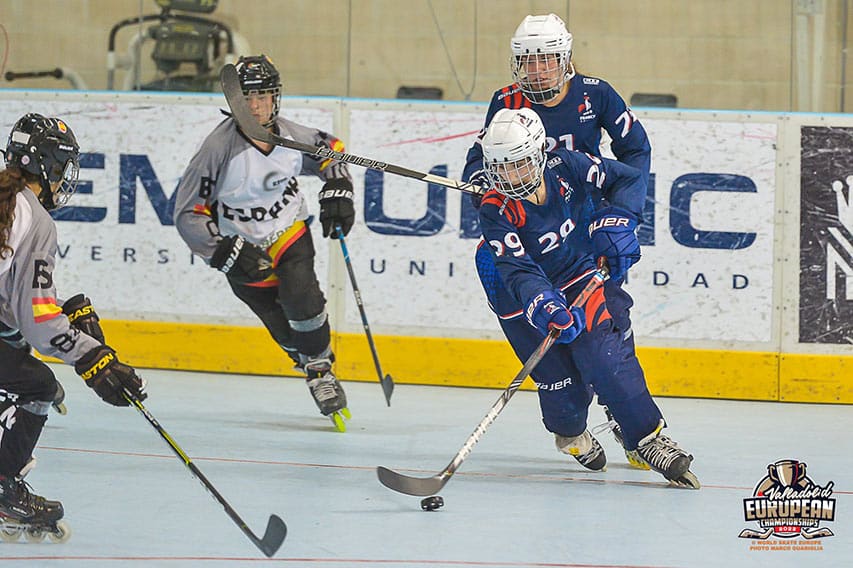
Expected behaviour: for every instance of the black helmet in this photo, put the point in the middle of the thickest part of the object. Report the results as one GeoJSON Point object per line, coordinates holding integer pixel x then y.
{"type": "Point", "coordinates": [258, 76]}
{"type": "Point", "coordinates": [46, 148]}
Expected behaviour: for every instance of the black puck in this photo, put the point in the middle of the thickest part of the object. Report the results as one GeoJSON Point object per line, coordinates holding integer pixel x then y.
{"type": "Point", "coordinates": [432, 503]}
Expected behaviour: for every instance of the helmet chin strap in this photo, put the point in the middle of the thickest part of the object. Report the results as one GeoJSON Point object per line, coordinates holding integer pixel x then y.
{"type": "Point", "coordinates": [46, 195]}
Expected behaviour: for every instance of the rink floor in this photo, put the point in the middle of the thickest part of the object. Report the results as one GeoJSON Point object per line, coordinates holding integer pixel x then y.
{"type": "Point", "coordinates": [516, 501]}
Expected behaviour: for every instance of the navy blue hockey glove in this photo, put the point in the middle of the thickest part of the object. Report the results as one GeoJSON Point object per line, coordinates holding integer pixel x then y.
{"type": "Point", "coordinates": [479, 178]}
{"type": "Point", "coordinates": [547, 310]}
{"type": "Point", "coordinates": [614, 236]}
{"type": "Point", "coordinates": [242, 261]}
{"type": "Point", "coordinates": [82, 315]}
{"type": "Point", "coordinates": [108, 377]}
{"type": "Point", "coordinates": [336, 207]}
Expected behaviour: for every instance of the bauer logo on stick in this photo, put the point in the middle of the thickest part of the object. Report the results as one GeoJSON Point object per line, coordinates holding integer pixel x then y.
{"type": "Point", "coordinates": [787, 504]}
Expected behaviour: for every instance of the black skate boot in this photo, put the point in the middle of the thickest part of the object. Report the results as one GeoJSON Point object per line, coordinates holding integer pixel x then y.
{"type": "Point", "coordinates": [665, 457]}
{"type": "Point", "coordinates": [22, 512]}
{"type": "Point", "coordinates": [58, 403]}
{"type": "Point", "coordinates": [614, 428]}
{"type": "Point", "coordinates": [327, 392]}
{"type": "Point", "coordinates": [584, 448]}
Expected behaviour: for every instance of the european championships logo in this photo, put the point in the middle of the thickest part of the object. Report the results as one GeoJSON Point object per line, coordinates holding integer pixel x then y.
{"type": "Point", "coordinates": [788, 504]}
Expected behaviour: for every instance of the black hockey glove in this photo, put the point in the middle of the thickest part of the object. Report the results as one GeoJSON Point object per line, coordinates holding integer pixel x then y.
{"type": "Point", "coordinates": [336, 207]}
{"type": "Point", "coordinates": [82, 315]}
{"type": "Point", "coordinates": [108, 377]}
{"type": "Point", "coordinates": [241, 261]}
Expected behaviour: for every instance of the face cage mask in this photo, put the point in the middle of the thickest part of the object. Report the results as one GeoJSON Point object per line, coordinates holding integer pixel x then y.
{"type": "Point", "coordinates": [55, 199]}
{"type": "Point", "coordinates": [552, 72]}
{"type": "Point", "coordinates": [276, 101]}
{"type": "Point", "coordinates": [527, 171]}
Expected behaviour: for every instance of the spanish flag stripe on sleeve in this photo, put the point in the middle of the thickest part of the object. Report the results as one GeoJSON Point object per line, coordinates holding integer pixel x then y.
{"type": "Point", "coordinates": [336, 145]}
{"type": "Point", "coordinates": [45, 309]}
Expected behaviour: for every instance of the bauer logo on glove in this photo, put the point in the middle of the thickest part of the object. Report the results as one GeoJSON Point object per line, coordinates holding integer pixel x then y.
{"type": "Point", "coordinates": [614, 236]}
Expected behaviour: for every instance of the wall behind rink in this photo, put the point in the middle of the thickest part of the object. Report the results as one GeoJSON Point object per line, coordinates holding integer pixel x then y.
{"type": "Point", "coordinates": [745, 289]}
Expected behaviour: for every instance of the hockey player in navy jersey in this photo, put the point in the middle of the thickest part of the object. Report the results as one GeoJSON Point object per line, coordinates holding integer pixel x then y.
{"type": "Point", "coordinates": [240, 209]}
{"type": "Point", "coordinates": [574, 109]}
{"type": "Point", "coordinates": [545, 224]}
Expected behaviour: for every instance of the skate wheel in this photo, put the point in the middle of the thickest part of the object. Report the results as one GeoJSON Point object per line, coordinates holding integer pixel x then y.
{"type": "Point", "coordinates": [62, 532]}
{"type": "Point", "coordinates": [338, 421]}
{"type": "Point", "coordinates": [687, 481]}
{"type": "Point", "coordinates": [8, 534]}
{"type": "Point", "coordinates": [35, 535]}
{"type": "Point", "coordinates": [60, 408]}
{"type": "Point", "coordinates": [345, 411]}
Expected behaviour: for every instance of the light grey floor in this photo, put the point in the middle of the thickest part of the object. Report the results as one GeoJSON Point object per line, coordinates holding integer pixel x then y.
{"type": "Point", "coordinates": [516, 501]}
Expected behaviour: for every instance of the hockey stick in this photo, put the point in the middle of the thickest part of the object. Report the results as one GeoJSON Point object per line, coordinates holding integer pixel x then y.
{"type": "Point", "coordinates": [423, 487]}
{"type": "Point", "coordinates": [253, 129]}
{"type": "Point", "coordinates": [276, 529]}
{"type": "Point", "coordinates": [386, 381]}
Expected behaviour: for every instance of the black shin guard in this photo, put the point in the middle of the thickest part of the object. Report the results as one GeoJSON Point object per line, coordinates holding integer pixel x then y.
{"type": "Point", "coordinates": [20, 429]}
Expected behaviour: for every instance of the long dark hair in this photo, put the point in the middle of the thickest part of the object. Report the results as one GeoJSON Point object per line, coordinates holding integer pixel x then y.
{"type": "Point", "coordinates": [12, 182]}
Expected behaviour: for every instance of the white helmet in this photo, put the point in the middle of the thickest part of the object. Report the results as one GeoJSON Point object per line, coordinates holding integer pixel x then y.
{"type": "Point", "coordinates": [514, 152]}
{"type": "Point", "coordinates": [541, 57]}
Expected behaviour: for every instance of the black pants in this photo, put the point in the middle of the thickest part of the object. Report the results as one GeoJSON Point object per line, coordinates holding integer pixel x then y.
{"type": "Point", "coordinates": [293, 311]}
{"type": "Point", "coordinates": [27, 387]}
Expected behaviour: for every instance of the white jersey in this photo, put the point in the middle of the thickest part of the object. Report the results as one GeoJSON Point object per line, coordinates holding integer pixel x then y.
{"type": "Point", "coordinates": [27, 295]}
{"type": "Point", "coordinates": [231, 187]}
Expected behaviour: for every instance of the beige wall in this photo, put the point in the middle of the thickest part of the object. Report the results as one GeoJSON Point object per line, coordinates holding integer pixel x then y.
{"type": "Point", "coordinates": [726, 54]}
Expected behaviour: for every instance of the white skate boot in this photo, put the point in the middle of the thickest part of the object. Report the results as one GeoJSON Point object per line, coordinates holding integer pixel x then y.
{"type": "Point", "coordinates": [584, 448]}
{"type": "Point", "coordinates": [614, 428]}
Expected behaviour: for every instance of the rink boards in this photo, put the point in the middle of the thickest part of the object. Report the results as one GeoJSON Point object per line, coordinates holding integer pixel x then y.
{"type": "Point", "coordinates": [745, 289]}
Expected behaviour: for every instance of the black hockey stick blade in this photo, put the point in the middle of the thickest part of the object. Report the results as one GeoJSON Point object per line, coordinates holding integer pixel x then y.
{"type": "Point", "coordinates": [230, 81]}
{"type": "Point", "coordinates": [417, 486]}
{"type": "Point", "coordinates": [276, 529]}
{"type": "Point", "coordinates": [273, 537]}
{"type": "Point", "coordinates": [387, 387]}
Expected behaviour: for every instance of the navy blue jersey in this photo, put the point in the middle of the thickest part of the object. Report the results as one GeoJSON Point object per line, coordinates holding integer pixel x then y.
{"type": "Point", "coordinates": [547, 246]}
{"type": "Point", "coordinates": [575, 124]}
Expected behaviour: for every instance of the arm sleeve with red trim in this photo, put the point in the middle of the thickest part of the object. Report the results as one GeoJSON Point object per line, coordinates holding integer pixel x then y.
{"type": "Point", "coordinates": [520, 274]}
{"type": "Point", "coordinates": [33, 303]}
{"type": "Point", "coordinates": [197, 191]}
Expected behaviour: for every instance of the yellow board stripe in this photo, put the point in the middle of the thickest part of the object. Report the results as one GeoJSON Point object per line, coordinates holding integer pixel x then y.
{"type": "Point", "coordinates": [744, 375]}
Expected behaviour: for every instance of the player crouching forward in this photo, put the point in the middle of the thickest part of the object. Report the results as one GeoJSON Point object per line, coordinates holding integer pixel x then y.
{"type": "Point", "coordinates": [239, 207]}
{"type": "Point", "coordinates": [41, 175]}
{"type": "Point", "coordinates": [546, 224]}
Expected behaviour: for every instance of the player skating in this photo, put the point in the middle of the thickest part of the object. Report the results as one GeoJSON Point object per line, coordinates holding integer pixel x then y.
{"type": "Point", "coordinates": [545, 224]}
{"type": "Point", "coordinates": [574, 108]}
{"type": "Point", "coordinates": [240, 209]}
{"type": "Point", "coordinates": [41, 175]}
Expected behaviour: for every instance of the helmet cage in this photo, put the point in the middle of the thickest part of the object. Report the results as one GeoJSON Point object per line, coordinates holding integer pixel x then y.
{"type": "Point", "coordinates": [514, 152]}
{"type": "Point", "coordinates": [258, 76]}
{"type": "Point", "coordinates": [541, 57]}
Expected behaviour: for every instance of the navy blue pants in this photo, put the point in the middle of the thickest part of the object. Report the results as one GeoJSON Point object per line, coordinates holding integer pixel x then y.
{"type": "Point", "coordinates": [600, 361]}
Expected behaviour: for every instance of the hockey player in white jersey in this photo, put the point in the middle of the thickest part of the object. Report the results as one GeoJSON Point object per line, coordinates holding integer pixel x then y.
{"type": "Point", "coordinates": [240, 209]}
{"type": "Point", "coordinates": [41, 174]}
